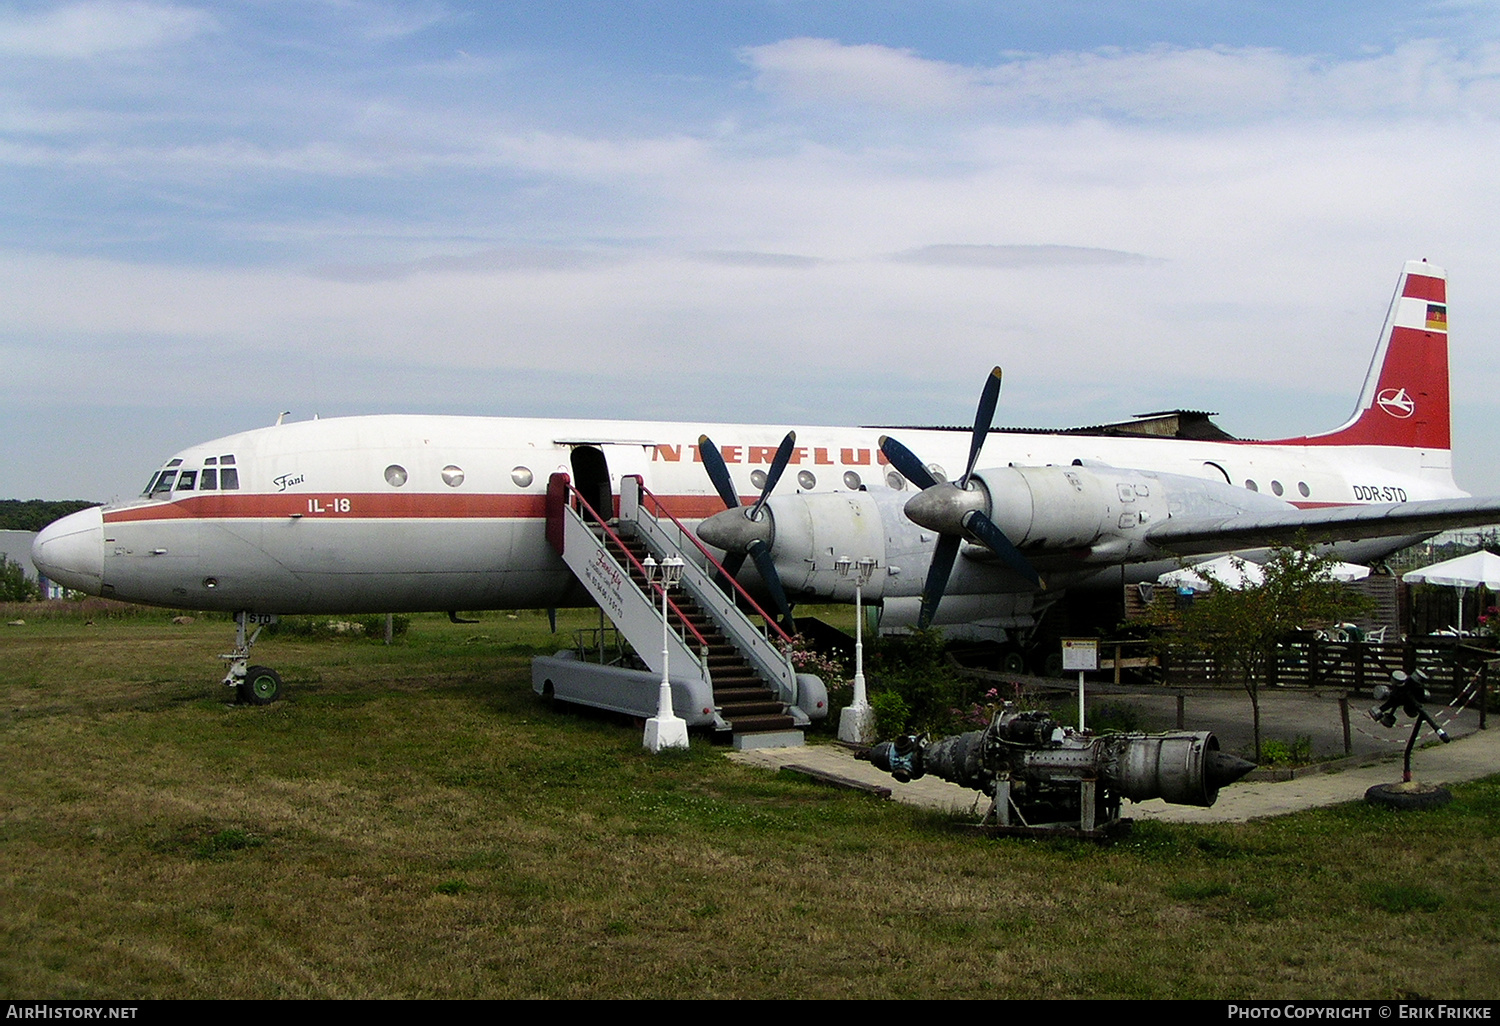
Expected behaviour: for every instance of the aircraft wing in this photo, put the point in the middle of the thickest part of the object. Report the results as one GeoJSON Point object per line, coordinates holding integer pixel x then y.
{"type": "Point", "coordinates": [1188, 536]}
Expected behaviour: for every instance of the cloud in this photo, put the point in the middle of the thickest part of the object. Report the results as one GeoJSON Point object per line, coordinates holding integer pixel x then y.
{"type": "Point", "coordinates": [820, 70]}
{"type": "Point", "coordinates": [963, 255]}
{"type": "Point", "coordinates": [745, 258]}
{"type": "Point", "coordinates": [1427, 76]}
{"type": "Point", "coordinates": [99, 27]}
{"type": "Point", "coordinates": [508, 259]}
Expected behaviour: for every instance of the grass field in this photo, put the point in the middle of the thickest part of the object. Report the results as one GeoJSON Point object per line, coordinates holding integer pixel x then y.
{"type": "Point", "coordinates": [412, 822]}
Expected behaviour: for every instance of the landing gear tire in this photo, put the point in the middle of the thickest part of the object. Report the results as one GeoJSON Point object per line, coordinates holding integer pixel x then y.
{"type": "Point", "coordinates": [1048, 664]}
{"type": "Point", "coordinates": [261, 686]}
{"type": "Point", "coordinates": [1012, 661]}
{"type": "Point", "coordinates": [1408, 796]}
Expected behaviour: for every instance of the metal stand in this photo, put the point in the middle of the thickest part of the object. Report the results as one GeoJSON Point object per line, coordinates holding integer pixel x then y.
{"type": "Point", "coordinates": [857, 721]}
{"type": "Point", "coordinates": [666, 729]}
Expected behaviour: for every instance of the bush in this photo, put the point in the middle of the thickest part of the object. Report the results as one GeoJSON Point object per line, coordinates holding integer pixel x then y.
{"type": "Point", "coordinates": [891, 714]}
{"type": "Point", "coordinates": [14, 587]}
{"type": "Point", "coordinates": [913, 669]}
{"type": "Point", "coordinates": [1297, 752]}
{"type": "Point", "coordinates": [372, 626]}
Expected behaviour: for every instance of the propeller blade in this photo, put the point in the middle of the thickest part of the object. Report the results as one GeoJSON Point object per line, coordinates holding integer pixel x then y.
{"type": "Point", "coordinates": [937, 577]}
{"type": "Point", "coordinates": [906, 463]}
{"type": "Point", "coordinates": [718, 473]}
{"type": "Point", "coordinates": [778, 464]}
{"type": "Point", "coordinates": [983, 528]}
{"type": "Point", "coordinates": [731, 563]}
{"type": "Point", "coordinates": [766, 564]}
{"type": "Point", "coordinates": [984, 416]}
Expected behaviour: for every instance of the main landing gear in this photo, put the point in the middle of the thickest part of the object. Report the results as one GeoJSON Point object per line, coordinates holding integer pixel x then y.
{"type": "Point", "coordinates": [254, 685]}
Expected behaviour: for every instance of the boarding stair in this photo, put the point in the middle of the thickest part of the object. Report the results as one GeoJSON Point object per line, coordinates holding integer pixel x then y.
{"type": "Point", "coordinates": [729, 670]}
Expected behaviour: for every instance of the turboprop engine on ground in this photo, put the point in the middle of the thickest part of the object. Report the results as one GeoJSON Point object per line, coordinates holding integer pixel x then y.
{"type": "Point", "coordinates": [1028, 762]}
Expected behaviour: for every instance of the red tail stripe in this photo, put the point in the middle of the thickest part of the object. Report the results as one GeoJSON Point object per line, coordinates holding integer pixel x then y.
{"type": "Point", "coordinates": [1419, 286]}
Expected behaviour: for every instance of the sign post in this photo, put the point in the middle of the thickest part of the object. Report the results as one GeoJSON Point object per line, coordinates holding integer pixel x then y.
{"type": "Point", "coordinates": [1081, 654]}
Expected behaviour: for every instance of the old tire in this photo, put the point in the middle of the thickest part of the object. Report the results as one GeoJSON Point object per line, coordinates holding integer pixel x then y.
{"type": "Point", "coordinates": [1408, 796]}
{"type": "Point", "coordinates": [261, 686]}
{"type": "Point", "coordinates": [1012, 660]}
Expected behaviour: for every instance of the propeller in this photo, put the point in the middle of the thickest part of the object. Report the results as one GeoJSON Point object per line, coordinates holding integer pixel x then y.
{"type": "Point", "coordinates": [953, 510]}
{"type": "Point", "coordinates": [753, 536]}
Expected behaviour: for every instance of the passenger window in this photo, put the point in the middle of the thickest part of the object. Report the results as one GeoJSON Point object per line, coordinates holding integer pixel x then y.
{"type": "Point", "coordinates": [229, 479]}
{"type": "Point", "coordinates": [210, 482]}
{"type": "Point", "coordinates": [186, 479]}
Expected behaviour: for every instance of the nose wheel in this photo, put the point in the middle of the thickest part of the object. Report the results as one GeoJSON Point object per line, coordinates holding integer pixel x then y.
{"type": "Point", "coordinates": [261, 686]}
{"type": "Point", "coordinates": [254, 685]}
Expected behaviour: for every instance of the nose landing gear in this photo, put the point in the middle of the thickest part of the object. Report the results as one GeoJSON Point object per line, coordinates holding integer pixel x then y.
{"type": "Point", "coordinates": [254, 685]}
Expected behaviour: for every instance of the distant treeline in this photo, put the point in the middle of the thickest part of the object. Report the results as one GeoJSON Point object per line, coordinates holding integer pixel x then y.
{"type": "Point", "coordinates": [35, 514]}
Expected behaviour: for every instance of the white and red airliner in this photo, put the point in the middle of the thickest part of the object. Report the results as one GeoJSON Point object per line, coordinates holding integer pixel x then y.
{"type": "Point", "coordinates": [411, 513]}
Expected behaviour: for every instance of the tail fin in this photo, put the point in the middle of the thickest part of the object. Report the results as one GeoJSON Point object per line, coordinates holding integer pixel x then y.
{"type": "Point", "coordinates": [1405, 398]}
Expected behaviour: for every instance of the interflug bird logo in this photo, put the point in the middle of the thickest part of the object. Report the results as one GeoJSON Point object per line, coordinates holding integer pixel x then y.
{"type": "Point", "coordinates": [1397, 403]}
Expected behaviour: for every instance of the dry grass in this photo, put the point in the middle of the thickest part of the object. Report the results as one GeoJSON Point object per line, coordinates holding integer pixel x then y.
{"type": "Point", "coordinates": [412, 822]}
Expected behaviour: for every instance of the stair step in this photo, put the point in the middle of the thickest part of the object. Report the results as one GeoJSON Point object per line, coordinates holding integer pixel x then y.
{"type": "Point", "coordinates": [731, 695]}
{"type": "Point", "coordinates": [768, 739]}
{"type": "Point", "coordinates": [737, 682]}
{"type": "Point", "coordinates": [734, 712]}
{"type": "Point", "coordinates": [750, 724]}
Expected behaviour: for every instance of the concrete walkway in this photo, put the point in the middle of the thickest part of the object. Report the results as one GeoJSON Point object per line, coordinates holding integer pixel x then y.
{"type": "Point", "coordinates": [1473, 754]}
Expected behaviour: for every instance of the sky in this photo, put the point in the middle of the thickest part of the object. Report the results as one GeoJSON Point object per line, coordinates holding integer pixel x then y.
{"type": "Point", "coordinates": [771, 211]}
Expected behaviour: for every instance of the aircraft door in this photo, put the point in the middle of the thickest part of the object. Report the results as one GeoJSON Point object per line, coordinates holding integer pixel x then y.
{"type": "Point", "coordinates": [597, 470]}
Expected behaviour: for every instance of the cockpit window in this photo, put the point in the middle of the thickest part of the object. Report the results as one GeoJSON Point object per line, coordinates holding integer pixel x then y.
{"type": "Point", "coordinates": [218, 473]}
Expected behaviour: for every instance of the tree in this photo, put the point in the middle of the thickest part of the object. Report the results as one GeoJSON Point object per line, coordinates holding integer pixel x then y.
{"type": "Point", "coordinates": [1240, 628]}
{"type": "Point", "coordinates": [14, 587]}
{"type": "Point", "coordinates": [35, 514]}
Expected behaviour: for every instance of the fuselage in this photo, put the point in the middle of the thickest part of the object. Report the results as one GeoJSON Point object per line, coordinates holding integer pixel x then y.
{"type": "Point", "coordinates": [410, 513]}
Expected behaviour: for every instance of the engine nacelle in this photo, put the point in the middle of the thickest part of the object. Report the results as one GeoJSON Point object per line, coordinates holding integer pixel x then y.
{"type": "Point", "coordinates": [1070, 508]}
{"type": "Point", "coordinates": [812, 531]}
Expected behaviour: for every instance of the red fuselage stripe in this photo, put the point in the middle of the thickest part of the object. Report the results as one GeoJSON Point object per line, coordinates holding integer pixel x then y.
{"type": "Point", "coordinates": [372, 506]}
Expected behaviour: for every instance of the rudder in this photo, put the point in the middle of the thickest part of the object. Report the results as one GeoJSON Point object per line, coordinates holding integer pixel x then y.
{"type": "Point", "coordinates": [1405, 398]}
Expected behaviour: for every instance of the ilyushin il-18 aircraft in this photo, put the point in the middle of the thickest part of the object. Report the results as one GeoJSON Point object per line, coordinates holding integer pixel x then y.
{"type": "Point", "coordinates": [378, 514]}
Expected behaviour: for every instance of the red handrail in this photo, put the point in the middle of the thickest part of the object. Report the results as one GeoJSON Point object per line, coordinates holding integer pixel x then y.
{"type": "Point", "coordinates": [661, 510]}
{"type": "Point", "coordinates": [637, 564]}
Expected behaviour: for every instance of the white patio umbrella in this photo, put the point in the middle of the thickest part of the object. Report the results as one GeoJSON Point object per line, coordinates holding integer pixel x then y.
{"type": "Point", "coordinates": [1463, 573]}
{"type": "Point", "coordinates": [1235, 573]}
{"type": "Point", "coordinates": [1231, 572]}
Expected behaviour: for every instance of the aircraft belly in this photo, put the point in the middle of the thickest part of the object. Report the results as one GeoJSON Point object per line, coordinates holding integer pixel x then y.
{"type": "Point", "coordinates": [345, 566]}
{"type": "Point", "coordinates": [419, 565]}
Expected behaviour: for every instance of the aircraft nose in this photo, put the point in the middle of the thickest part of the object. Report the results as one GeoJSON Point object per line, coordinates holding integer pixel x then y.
{"type": "Point", "coordinates": [70, 551]}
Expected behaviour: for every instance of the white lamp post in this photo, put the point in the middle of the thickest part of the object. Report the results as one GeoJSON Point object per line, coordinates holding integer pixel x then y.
{"type": "Point", "coordinates": [857, 721]}
{"type": "Point", "coordinates": [666, 729]}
